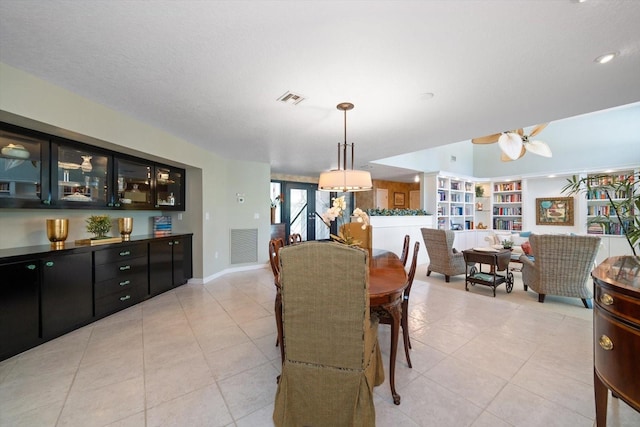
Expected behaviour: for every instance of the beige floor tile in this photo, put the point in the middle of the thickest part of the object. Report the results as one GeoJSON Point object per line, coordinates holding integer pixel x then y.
{"type": "Point", "coordinates": [249, 391]}
{"type": "Point", "coordinates": [204, 407]}
{"type": "Point", "coordinates": [230, 361]}
{"type": "Point", "coordinates": [105, 405]}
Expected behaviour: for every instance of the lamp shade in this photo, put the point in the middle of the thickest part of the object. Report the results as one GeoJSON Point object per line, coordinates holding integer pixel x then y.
{"type": "Point", "coordinates": [345, 181]}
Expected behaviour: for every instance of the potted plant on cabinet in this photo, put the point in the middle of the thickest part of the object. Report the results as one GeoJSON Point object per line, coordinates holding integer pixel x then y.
{"type": "Point", "coordinates": [99, 226]}
{"type": "Point", "coordinates": [623, 195]}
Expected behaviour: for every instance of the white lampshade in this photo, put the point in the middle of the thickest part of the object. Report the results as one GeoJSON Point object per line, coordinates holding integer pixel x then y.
{"type": "Point", "coordinates": [538, 147]}
{"type": "Point", "coordinates": [345, 181]}
{"type": "Point", "coordinates": [511, 144]}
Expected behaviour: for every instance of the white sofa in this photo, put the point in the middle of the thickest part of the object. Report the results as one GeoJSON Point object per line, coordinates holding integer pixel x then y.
{"type": "Point", "coordinates": [496, 237]}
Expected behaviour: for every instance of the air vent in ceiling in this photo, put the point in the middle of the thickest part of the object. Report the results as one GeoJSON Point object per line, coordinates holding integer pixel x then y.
{"type": "Point", "coordinates": [291, 98]}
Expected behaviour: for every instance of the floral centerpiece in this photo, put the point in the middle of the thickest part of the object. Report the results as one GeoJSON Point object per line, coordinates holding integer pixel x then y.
{"type": "Point", "coordinates": [336, 211]}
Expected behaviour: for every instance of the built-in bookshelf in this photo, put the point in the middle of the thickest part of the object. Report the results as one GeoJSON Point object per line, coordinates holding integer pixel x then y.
{"type": "Point", "coordinates": [507, 205]}
{"type": "Point", "coordinates": [454, 202]}
{"type": "Point", "coordinates": [598, 204]}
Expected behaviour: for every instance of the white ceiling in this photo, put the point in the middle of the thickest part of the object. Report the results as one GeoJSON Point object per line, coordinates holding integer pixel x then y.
{"type": "Point", "coordinates": [210, 71]}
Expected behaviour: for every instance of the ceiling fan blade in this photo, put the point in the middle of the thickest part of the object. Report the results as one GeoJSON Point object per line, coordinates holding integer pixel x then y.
{"type": "Point", "coordinates": [506, 158]}
{"type": "Point", "coordinates": [511, 144]}
{"type": "Point", "coordinates": [538, 147]}
{"type": "Point", "coordinates": [489, 139]}
{"type": "Point", "coordinates": [536, 130]}
{"type": "Point", "coordinates": [519, 131]}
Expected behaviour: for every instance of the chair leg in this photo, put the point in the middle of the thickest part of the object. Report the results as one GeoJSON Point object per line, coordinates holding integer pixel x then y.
{"type": "Point", "coordinates": [279, 328]}
{"type": "Point", "coordinates": [405, 339]}
{"type": "Point", "coordinates": [428, 272]}
{"type": "Point", "coordinates": [525, 288]}
{"type": "Point", "coordinates": [541, 297]}
{"type": "Point", "coordinates": [587, 303]}
{"type": "Point", "coordinates": [447, 278]}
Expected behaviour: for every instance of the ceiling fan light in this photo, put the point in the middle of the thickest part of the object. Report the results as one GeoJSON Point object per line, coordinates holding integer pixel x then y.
{"type": "Point", "coordinates": [538, 147]}
{"type": "Point", "coordinates": [511, 144]}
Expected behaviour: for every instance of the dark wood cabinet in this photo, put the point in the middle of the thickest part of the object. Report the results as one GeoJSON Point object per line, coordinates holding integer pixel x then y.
{"type": "Point", "coordinates": [616, 333]}
{"type": "Point", "coordinates": [38, 170]}
{"type": "Point", "coordinates": [19, 307]}
{"type": "Point", "coordinates": [121, 278]}
{"type": "Point", "coordinates": [67, 293]}
{"type": "Point", "coordinates": [169, 263]}
{"type": "Point", "coordinates": [47, 292]}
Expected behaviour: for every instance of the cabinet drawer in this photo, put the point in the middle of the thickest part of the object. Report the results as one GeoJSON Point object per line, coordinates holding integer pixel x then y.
{"type": "Point", "coordinates": [121, 270]}
{"type": "Point", "coordinates": [616, 346]}
{"type": "Point", "coordinates": [122, 284]}
{"type": "Point", "coordinates": [617, 303]}
{"type": "Point", "coordinates": [118, 301]}
{"type": "Point", "coordinates": [120, 253]}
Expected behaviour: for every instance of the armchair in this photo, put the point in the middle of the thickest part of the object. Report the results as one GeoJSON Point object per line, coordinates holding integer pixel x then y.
{"type": "Point", "coordinates": [562, 265]}
{"type": "Point", "coordinates": [332, 358]}
{"type": "Point", "coordinates": [442, 258]}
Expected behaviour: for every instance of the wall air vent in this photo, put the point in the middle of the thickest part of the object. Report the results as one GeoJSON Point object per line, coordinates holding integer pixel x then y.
{"type": "Point", "coordinates": [244, 245]}
{"type": "Point", "coordinates": [291, 98]}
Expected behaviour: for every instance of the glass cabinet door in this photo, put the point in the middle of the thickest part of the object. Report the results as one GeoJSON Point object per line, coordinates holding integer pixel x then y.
{"type": "Point", "coordinates": [169, 188]}
{"type": "Point", "coordinates": [80, 176]}
{"type": "Point", "coordinates": [134, 184]}
{"type": "Point", "coordinates": [21, 170]}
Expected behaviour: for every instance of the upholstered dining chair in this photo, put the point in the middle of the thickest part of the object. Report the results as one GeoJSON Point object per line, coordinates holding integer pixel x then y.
{"type": "Point", "coordinates": [332, 358]}
{"type": "Point", "coordinates": [363, 235]}
{"type": "Point", "coordinates": [561, 265]}
{"type": "Point", "coordinates": [295, 238]}
{"type": "Point", "coordinates": [405, 250]}
{"type": "Point", "coordinates": [442, 258]}
{"type": "Point", "coordinates": [385, 318]}
{"type": "Point", "coordinates": [274, 261]}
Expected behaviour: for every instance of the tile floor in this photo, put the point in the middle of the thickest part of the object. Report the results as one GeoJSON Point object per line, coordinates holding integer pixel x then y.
{"type": "Point", "coordinates": [205, 356]}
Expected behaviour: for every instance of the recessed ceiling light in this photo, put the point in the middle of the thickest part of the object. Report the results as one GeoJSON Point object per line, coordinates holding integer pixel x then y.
{"type": "Point", "coordinates": [603, 59]}
{"type": "Point", "coordinates": [417, 178]}
{"type": "Point", "coordinates": [426, 96]}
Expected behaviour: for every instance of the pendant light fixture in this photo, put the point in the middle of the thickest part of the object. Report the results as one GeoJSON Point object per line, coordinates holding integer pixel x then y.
{"type": "Point", "coordinates": [343, 179]}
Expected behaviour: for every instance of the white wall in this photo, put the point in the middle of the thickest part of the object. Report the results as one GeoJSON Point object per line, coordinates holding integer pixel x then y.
{"type": "Point", "coordinates": [57, 111]}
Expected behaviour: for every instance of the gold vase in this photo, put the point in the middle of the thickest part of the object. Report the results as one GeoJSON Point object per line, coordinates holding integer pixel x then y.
{"type": "Point", "coordinates": [57, 231]}
{"type": "Point", "coordinates": [126, 227]}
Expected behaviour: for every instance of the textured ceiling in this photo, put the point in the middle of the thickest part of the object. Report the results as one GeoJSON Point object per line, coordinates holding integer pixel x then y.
{"type": "Point", "coordinates": [210, 71]}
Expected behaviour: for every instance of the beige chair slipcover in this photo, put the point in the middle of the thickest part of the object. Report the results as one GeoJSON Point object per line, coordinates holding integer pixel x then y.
{"type": "Point", "coordinates": [332, 358]}
{"type": "Point", "coordinates": [442, 259]}
{"type": "Point", "coordinates": [562, 265]}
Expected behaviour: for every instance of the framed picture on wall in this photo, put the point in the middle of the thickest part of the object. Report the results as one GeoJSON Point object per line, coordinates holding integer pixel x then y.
{"type": "Point", "coordinates": [398, 199]}
{"type": "Point", "coordinates": [554, 211]}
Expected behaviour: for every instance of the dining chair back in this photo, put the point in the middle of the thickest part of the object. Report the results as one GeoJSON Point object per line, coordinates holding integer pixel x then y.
{"type": "Point", "coordinates": [385, 317]}
{"type": "Point", "coordinates": [405, 250]}
{"type": "Point", "coordinates": [295, 238]}
{"type": "Point", "coordinates": [332, 358]}
{"type": "Point", "coordinates": [274, 259]}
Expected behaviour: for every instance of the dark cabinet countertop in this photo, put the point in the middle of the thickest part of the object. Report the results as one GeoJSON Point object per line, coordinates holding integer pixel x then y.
{"type": "Point", "coordinates": [39, 251]}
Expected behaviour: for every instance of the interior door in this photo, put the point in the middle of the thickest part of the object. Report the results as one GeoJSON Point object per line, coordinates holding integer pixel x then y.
{"type": "Point", "coordinates": [382, 198]}
{"type": "Point", "coordinates": [301, 202]}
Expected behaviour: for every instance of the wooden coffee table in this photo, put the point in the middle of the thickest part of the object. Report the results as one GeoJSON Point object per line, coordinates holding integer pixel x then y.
{"type": "Point", "coordinates": [497, 260]}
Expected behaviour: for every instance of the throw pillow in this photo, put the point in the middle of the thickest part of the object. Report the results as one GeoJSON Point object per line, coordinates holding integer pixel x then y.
{"type": "Point", "coordinates": [526, 248]}
{"type": "Point", "coordinates": [525, 234]}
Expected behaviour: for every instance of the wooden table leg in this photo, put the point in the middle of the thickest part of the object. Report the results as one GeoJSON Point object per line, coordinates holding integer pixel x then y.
{"type": "Point", "coordinates": [395, 310]}
{"type": "Point", "coordinates": [278, 312]}
{"type": "Point", "coordinates": [601, 396]}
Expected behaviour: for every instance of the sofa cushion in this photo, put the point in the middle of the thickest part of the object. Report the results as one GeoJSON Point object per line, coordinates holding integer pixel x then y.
{"type": "Point", "coordinates": [526, 248]}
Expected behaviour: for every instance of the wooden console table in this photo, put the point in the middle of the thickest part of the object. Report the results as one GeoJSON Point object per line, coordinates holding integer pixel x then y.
{"type": "Point", "coordinates": [616, 333]}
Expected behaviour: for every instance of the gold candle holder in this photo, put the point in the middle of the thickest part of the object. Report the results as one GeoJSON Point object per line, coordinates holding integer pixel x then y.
{"type": "Point", "coordinates": [126, 227]}
{"type": "Point", "coordinates": [57, 231]}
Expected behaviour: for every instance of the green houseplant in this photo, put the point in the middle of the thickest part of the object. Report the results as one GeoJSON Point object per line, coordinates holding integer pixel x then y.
{"type": "Point", "coordinates": [99, 226]}
{"type": "Point", "coordinates": [623, 195]}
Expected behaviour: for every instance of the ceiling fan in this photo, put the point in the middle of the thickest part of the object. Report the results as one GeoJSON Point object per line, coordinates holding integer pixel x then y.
{"type": "Point", "coordinates": [514, 143]}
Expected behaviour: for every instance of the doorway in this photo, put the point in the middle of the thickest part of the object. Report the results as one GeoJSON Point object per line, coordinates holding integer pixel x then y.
{"type": "Point", "coordinates": [301, 202]}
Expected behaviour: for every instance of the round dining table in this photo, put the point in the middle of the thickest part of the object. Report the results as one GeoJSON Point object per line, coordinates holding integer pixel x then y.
{"type": "Point", "coordinates": [387, 281]}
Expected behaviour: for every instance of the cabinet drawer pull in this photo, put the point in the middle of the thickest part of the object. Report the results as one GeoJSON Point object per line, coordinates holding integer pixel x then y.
{"type": "Point", "coordinates": [125, 267]}
{"type": "Point", "coordinates": [124, 298]}
{"type": "Point", "coordinates": [606, 299]}
{"type": "Point", "coordinates": [606, 343]}
{"type": "Point", "coordinates": [177, 242]}
{"type": "Point", "coordinates": [125, 283]}
{"type": "Point", "coordinates": [125, 253]}
{"type": "Point", "coordinates": [31, 266]}
{"type": "Point", "coordinates": [49, 264]}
